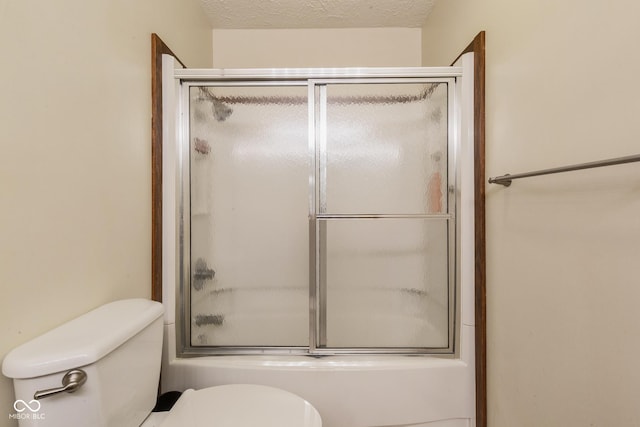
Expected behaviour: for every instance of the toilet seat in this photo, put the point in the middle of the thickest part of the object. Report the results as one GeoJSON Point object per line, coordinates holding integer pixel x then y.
{"type": "Point", "coordinates": [241, 405]}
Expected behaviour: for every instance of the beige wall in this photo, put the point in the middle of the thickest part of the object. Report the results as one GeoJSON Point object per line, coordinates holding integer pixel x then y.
{"type": "Point", "coordinates": [75, 177]}
{"type": "Point", "coordinates": [353, 47]}
{"type": "Point", "coordinates": [563, 266]}
{"type": "Point", "coordinates": [563, 251]}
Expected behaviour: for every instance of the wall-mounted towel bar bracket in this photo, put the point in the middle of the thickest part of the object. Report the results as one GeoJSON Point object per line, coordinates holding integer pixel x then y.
{"type": "Point", "coordinates": [506, 179]}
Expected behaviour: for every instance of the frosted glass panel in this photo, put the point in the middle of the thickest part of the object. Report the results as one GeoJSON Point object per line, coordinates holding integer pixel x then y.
{"type": "Point", "coordinates": [386, 148]}
{"type": "Point", "coordinates": [386, 283]}
{"type": "Point", "coordinates": [342, 219]}
{"type": "Point", "coordinates": [249, 216]}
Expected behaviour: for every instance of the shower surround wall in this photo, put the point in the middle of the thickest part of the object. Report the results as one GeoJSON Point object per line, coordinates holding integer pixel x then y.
{"type": "Point", "coordinates": [360, 390]}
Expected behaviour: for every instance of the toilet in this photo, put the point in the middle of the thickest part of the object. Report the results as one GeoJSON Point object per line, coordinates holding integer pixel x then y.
{"type": "Point", "coordinates": [102, 370]}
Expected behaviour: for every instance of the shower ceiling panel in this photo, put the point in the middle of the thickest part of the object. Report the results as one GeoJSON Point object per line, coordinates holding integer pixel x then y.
{"type": "Point", "coordinates": [258, 14]}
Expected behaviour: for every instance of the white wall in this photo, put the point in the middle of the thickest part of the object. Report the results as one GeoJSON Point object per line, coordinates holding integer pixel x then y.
{"type": "Point", "coordinates": [75, 159]}
{"type": "Point", "coordinates": [562, 251]}
{"type": "Point", "coordinates": [290, 48]}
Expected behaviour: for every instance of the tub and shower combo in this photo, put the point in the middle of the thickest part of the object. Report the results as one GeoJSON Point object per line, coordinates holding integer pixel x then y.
{"type": "Point", "coordinates": [318, 237]}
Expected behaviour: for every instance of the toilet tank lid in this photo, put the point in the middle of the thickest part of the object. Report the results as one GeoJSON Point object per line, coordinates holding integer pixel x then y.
{"type": "Point", "coordinates": [83, 340]}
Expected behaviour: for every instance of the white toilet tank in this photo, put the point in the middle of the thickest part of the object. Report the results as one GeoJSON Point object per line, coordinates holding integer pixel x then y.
{"type": "Point", "coordinates": [117, 345]}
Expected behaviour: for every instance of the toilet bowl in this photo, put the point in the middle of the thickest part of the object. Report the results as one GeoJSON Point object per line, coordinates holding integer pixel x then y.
{"type": "Point", "coordinates": [102, 370]}
{"type": "Point", "coordinates": [239, 405]}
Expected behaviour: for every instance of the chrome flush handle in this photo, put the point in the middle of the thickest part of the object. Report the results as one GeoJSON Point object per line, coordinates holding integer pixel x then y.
{"type": "Point", "coordinates": [71, 381]}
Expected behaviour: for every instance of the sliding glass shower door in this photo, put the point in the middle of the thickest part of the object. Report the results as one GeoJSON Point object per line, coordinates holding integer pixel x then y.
{"type": "Point", "coordinates": [320, 216]}
{"type": "Point", "coordinates": [383, 215]}
{"type": "Point", "coordinates": [249, 204]}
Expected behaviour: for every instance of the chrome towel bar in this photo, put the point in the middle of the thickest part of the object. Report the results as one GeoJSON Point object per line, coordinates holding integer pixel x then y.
{"type": "Point", "coordinates": [506, 179]}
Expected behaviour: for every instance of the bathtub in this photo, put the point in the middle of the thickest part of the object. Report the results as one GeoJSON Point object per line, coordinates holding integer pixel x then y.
{"type": "Point", "coordinates": [348, 391]}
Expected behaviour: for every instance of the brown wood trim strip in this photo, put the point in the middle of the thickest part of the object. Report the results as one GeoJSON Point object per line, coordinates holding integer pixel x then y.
{"type": "Point", "coordinates": [158, 48]}
{"type": "Point", "coordinates": [477, 46]}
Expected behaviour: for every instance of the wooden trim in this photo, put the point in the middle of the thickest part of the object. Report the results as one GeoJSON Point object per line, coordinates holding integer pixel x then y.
{"type": "Point", "coordinates": [477, 46]}
{"type": "Point", "coordinates": [158, 48]}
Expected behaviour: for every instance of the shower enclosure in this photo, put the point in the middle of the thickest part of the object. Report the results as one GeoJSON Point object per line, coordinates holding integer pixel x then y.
{"type": "Point", "coordinates": [323, 212]}
{"type": "Point", "coordinates": [319, 214]}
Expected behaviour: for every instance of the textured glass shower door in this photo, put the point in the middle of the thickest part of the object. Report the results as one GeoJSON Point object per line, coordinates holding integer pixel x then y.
{"type": "Point", "coordinates": [321, 216]}
{"type": "Point", "coordinates": [385, 216]}
{"type": "Point", "coordinates": [249, 203]}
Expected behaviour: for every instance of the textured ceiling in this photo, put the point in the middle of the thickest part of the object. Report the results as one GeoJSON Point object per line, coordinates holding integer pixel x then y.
{"type": "Point", "coordinates": [244, 14]}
